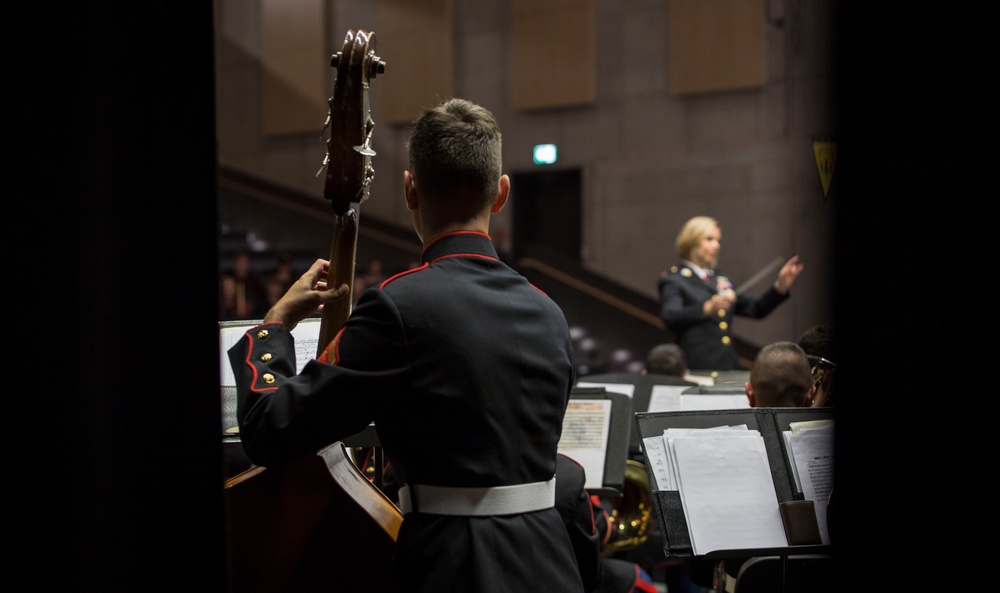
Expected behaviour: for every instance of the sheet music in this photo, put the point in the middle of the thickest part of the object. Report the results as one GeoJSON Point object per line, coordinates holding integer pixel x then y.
{"type": "Point", "coordinates": [714, 401]}
{"type": "Point", "coordinates": [787, 436]}
{"type": "Point", "coordinates": [812, 456]}
{"type": "Point", "coordinates": [626, 388]}
{"type": "Point", "coordinates": [670, 477]}
{"type": "Point", "coordinates": [671, 398]}
{"type": "Point", "coordinates": [797, 427]}
{"type": "Point", "coordinates": [666, 398]}
{"type": "Point", "coordinates": [656, 461]}
{"type": "Point", "coordinates": [700, 379]}
{"type": "Point", "coordinates": [306, 335]}
{"type": "Point", "coordinates": [584, 437]}
{"type": "Point", "coordinates": [726, 491]}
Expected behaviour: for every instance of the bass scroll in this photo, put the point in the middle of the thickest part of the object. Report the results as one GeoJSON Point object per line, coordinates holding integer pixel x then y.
{"type": "Point", "coordinates": [348, 166]}
{"type": "Point", "coordinates": [318, 524]}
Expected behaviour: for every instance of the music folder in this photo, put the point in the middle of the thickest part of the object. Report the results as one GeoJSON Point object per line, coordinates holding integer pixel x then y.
{"type": "Point", "coordinates": [792, 522]}
{"type": "Point", "coordinates": [640, 388]}
{"type": "Point", "coordinates": [596, 432]}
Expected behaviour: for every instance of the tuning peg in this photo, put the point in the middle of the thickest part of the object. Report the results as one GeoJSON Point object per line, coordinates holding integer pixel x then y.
{"type": "Point", "coordinates": [326, 161]}
{"type": "Point", "coordinates": [363, 191]}
{"type": "Point", "coordinates": [366, 147]}
{"type": "Point", "coordinates": [376, 65]}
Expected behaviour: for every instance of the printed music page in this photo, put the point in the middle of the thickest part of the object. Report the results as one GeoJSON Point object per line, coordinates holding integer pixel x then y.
{"type": "Point", "coordinates": [584, 438]}
{"type": "Point", "coordinates": [306, 335]}
{"type": "Point", "coordinates": [656, 461]}
{"type": "Point", "coordinates": [812, 455]}
{"type": "Point", "coordinates": [726, 491]}
{"type": "Point", "coordinates": [713, 401]}
{"type": "Point", "coordinates": [666, 398]}
{"type": "Point", "coordinates": [706, 379]}
{"type": "Point", "coordinates": [671, 479]}
{"type": "Point", "coordinates": [626, 388]}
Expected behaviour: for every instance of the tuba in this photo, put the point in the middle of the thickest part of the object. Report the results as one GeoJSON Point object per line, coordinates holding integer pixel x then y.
{"type": "Point", "coordinates": [629, 520]}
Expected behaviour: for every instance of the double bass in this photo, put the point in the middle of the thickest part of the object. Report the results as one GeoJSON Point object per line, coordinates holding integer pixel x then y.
{"type": "Point", "coordinates": [319, 524]}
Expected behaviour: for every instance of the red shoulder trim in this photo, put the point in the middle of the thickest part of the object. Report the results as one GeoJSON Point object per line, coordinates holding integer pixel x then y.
{"type": "Point", "coordinates": [401, 274]}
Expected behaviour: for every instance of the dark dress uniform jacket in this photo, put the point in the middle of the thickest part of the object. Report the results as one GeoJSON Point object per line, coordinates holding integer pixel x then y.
{"type": "Point", "coordinates": [466, 370]}
{"type": "Point", "coordinates": [707, 342]}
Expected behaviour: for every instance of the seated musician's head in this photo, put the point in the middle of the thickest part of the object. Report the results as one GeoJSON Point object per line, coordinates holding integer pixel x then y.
{"type": "Point", "coordinates": [454, 180]}
{"type": "Point", "coordinates": [780, 377]}
{"type": "Point", "coordinates": [818, 344]}
{"type": "Point", "coordinates": [666, 359]}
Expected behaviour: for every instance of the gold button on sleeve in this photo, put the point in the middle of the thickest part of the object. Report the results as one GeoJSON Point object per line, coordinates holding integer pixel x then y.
{"type": "Point", "coordinates": [261, 334]}
{"type": "Point", "coordinates": [268, 378]}
{"type": "Point", "coordinates": [722, 312]}
{"type": "Point", "coordinates": [265, 357]}
{"type": "Point", "coordinates": [725, 340]}
{"type": "Point", "coordinates": [723, 325]}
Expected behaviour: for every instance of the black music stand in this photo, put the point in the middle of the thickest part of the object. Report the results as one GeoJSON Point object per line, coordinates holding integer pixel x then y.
{"type": "Point", "coordinates": [642, 388]}
{"type": "Point", "coordinates": [723, 389]}
{"type": "Point", "coordinates": [722, 377]}
{"type": "Point", "coordinates": [771, 423]}
{"type": "Point", "coordinates": [616, 454]}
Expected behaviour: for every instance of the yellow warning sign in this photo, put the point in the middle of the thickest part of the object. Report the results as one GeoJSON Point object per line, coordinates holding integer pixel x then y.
{"type": "Point", "coordinates": [826, 155]}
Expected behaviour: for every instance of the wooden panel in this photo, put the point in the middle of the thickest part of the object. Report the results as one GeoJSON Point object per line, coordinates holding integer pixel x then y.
{"type": "Point", "coordinates": [716, 45]}
{"type": "Point", "coordinates": [553, 53]}
{"type": "Point", "coordinates": [415, 38]}
{"type": "Point", "coordinates": [295, 66]}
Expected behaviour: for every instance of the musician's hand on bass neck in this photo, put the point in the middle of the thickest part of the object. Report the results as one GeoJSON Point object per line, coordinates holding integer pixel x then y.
{"type": "Point", "coordinates": [306, 296]}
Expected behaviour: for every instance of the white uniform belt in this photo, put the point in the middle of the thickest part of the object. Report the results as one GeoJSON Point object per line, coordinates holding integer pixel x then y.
{"type": "Point", "coordinates": [498, 500]}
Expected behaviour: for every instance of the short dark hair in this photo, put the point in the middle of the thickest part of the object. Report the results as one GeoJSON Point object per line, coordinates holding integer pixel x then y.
{"type": "Point", "coordinates": [818, 341]}
{"type": "Point", "coordinates": [666, 359]}
{"type": "Point", "coordinates": [781, 375]}
{"type": "Point", "coordinates": [454, 151]}
{"type": "Point", "coordinates": [818, 344]}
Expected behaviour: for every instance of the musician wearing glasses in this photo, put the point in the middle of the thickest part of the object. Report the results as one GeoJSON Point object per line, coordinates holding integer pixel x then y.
{"type": "Point", "coordinates": [698, 303]}
{"type": "Point", "coordinates": [818, 344]}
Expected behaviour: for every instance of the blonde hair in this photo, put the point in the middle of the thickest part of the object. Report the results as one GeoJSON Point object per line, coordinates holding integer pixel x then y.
{"type": "Point", "coordinates": [693, 231]}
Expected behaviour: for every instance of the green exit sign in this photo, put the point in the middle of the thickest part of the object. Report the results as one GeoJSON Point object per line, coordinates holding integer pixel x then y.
{"type": "Point", "coordinates": [545, 154]}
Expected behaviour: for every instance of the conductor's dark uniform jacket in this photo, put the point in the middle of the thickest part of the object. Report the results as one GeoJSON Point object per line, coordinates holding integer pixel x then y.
{"type": "Point", "coordinates": [466, 370]}
{"type": "Point", "coordinates": [707, 341]}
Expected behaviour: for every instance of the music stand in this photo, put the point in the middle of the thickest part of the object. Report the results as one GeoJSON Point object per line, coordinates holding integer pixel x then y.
{"type": "Point", "coordinates": [640, 387]}
{"type": "Point", "coordinates": [771, 423]}
{"type": "Point", "coordinates": [616, 450]}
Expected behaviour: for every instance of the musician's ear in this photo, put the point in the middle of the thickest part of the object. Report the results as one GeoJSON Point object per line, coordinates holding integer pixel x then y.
{"type": "Point", "coordinates": [749, 391]}
{"type": "Point", "coordinates": [811, 395]}
{"type": "Point", "coordinates": [410, 191]}
{"type": "Point", "coordinates": [503, 190]}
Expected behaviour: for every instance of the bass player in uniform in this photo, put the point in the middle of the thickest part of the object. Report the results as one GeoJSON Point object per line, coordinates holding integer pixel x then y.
{"type": "Point", "coordinates": [465, 368]}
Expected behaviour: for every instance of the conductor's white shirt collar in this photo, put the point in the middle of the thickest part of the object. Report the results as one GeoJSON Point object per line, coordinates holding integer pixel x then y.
{"type": "Point", "coordinates": [700, 271]}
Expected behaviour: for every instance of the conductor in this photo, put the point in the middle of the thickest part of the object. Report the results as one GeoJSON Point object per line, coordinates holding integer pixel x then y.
{"type": "Point", "coordinates": [698, 304]}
